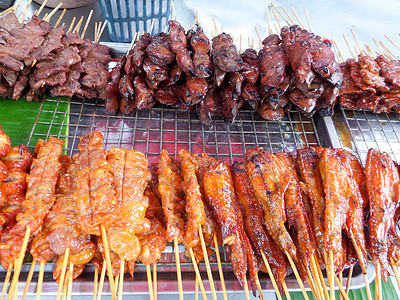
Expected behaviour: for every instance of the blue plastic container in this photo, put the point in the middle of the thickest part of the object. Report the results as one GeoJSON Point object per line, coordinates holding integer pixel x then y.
{"type": "Point", "coordinates": [125, 17]}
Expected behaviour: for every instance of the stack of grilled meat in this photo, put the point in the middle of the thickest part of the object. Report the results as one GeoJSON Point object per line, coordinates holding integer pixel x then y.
{"type": "Point", "coordinates": [371, 84]}
{"type": "Point", "coordinates": [183, 70]}
{"type": "Point", "coordinates": [35, 59]}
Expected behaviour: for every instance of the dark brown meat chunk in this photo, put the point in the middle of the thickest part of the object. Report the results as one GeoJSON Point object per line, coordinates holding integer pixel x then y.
{"type": "Point", "coordinates": [127, 91]}
{"type": "Point", "coordinates": [136, 56]}
{"type": "Point", "coordinates": [390, 69]}
{"type": "Point", "coordinates": [225, 54]}
{"type": "Point", "coordinates": [159, 50]}
{"type": "Point", "coordinates": [144, 96]}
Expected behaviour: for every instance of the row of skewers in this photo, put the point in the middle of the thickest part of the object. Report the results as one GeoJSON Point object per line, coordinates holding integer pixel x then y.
{"type": "Point", "coordinates": [307, 209]}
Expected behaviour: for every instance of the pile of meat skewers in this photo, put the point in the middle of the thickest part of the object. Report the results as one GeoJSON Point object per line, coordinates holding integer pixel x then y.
{"type": "Point", "coordinates": [37, 59]}
{"type": "Point", "coordinates": [185, 70]}
{"type": "Point", "coordinates": [371, 84]}
{"type": "Point", "coordinates": [302, 205]}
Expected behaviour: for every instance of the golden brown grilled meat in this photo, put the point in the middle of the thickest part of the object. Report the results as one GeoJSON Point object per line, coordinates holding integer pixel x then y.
{"type": "Point", "coordinates": [253, 223]}
{"type": "Point", "coordinates": [40, 197]}
{"type": "Point", "coordinates": [172, 196]}
{"type": "Point", "coordinates": [155, 240]}
{"type": "Point", "coordinates": [357, 202]}
{"type": "Point", "coordinates": [308, 170]}
{"type": "Point", "coordinates": [131, 176]}
{"type": "Point", "coordinates": [297, 216]}
{"type": "Point", "coordinates": [194, 203]}
{"type": "Point", "coordinates": [220, 197]}
{"type": "Point", "coordinates": [338, 191]}
{"type": "Point", "coordinates": [383, 184]}
{"type": "Point", "coordinates": [5, 143]}
{"type": "Point", "coordinates": [95, 194]}
{"type": "Point", "coordinates": [270, 182]}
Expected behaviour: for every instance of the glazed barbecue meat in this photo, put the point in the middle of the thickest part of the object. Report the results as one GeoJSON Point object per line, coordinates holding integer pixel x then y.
{"type": "Point", "coordinates": [95, 197]}
{"type": "Point", "coordinates": [5, 143]}
{"type": "Point", "coordinates": [220, 197]}
{"type": "Point", "coordinates": [228, 106]}
{"type": "Point", "coordinates": [112, 95]}
{"type": "Point", "coordinates": [144, 96]}
{"type": "Point", "coordinates": [305, 104]}
{"type": "Point", "coordinates": [127, 94]}
{"type": "Point", "coordinates": [172, 196]}
{"type": "Point", "coordinates": [307, 167]}
{"type": "Point", "coordinates": [194, 204]}
{"type": "Point", "coordinates": [296, 214]}
{"type": "Point", "coordinates": [179, 47]}
{"type": "Point", "coordinates": [208, 107]}
{"type": "Point", "coordinates": [270, 181]}
{"type": "Point", "coordinates": [390, 69]}
{"type": "Point", "coordinates": [197, 88]}
{"type": "Point", "coordinates": [159, 50]}
{"type": "Point", "coordinates": [355, 74]}
{"type": "Point", "coordinates": [40, 197]}
{"type": "Point", "coordinates": [253, 223]}
{"type": "Point", "coordinates": [136, 56]}
{"type": "Point", "coordinates": [273, 62]}
{"type": "Point", "coordinates": [269, 114]}
{"type": "Point", "coordinates": [251, 69]}
{"type": "Point", "coordinates": [154, 241]}
{"type": "Point", "coordinates": [370, 73]}
{"type": "Point", "coordinates": [224, 53]}
{"type": "Point", "coordinates": [199, 41]}
{"type": "Point", "coordinates": [203, 67]}
{"type": "Point", "coordinates": [383, 184]}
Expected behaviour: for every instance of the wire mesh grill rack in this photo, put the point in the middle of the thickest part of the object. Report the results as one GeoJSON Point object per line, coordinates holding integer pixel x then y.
{"type": "Point", "coordinates": [152, 130]}
{"type": "Point", "coordinates": [362, 130]}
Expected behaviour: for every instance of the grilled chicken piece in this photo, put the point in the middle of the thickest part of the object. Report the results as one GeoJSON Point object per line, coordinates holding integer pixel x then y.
{"type": "Point", "coordinates": [383, 184]}
{"type": "Point", "coordinates": [5, 143]}
{"type": "Point", "coordinates": [159, 50]}
{"type": "Point", "coordinates": [390, 69]}
{"type": "Point", "coordinates": [136, 56]}
{"type": "Point", "coordinates": [297, 216]}
{"type": "Point", "coordinates": [172, 196]}
{"type": "Point", "coordinates": [199, 41]}
{"type": "Point", "coordinates": [144, 96]}
{"type": "Point", "coordinates": [224, 53]}
{"type": "Point", "coordinates": [127, 94]}
{"type": "Point", "coordinates": [253, 223]}
{"type": "Point", "coordinates": [220, 197]}
{"type": "Point", "coordinates": [270, 181]}
{"type": "Point", "coordinates": [194, 204]}
{"type": "Point", "coordinates": [307, 168]}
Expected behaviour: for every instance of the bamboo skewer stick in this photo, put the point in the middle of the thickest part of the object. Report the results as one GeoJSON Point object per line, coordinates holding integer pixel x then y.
{"type": "Point", "coordinates": [221, 272]}
{"type": "Point", "coordinates": [279, 12]}
{"type": "Point", "coordinates": [121, 280]}
{"type": "Point", "coordinates": [60, 18]}
{"type": "Point", "coordinates": [393, 56]}
{"type": "Point", "coordinates": [78, 25]}
{"type": "Point", "coordinates": [47, 19]}
{"type": "Point", "coordinates": [341, 289]}
{"type": "Point", "coordinates": [341, 282]}
{"type": "Point", "coordinates": [101, 31]}
{"type": "Point", "coordinates": [377, 45]}
{"type": "Point", "coordinates": [25, 10]}
{"type": "Point", "coordinates": [348, 46]}
{"type": "Point", "coordinates": [208, 267]}
{"type": "Point", "coordinates": [87, 24]}
{"type": "Point", "coordinates": [355, 38]}
{"type": "Point", "coordinates": [378, 282]}
{"type": "Point", "coordinates": [41, 7]}
{"type": "Point", "coordinates": [215, 26]}
{"type": "Point", "coordinates": [259, 289]}
{"type": "Point", "coordinates": [297, 18]}
{"type": "Point", "coordinates": [101, 282]}
{"type": "Point", "coordinates": [259, 37]}
{"type": "Point", "coordinates": [6, 11]}
{"type": "Point", "coordinates": [287, 13]}
{"type": "Point", "coordinates": [308, 20]}
{"type": "Point", "coordinates": [173, 9]}
{"type": "Point", "coordinates": [63, 270]}
{"type": "Point", "coordinates": [18, 264]}
{"type": "Point", "coordinates": [315, 264]}
{"type": "Point", "coordinates": [6, 281]}
{"type": "Point", "coordinates": [40, 280]}
{"type": "Point", "coordinates": [72, 24]}
{"type": "Point", "coordinates": [312, 284]}
{"type": "Point", "coordinates": [108, 261]}
{"type": "Point", "coordinates": [116, 281]}
{"type": "Point", "coordinates": [317, 278]}
{"type": "Point", "coordinates": [196, 289]}
{"type": "Point", "coordinates": [277, 20]}
{"type": "Point", "coordinates": [331, 275]}
{"type": "Point", "coordinates": [95, 281]}
{"type": "Point", "coordinates": [149, 282]}
{"type": "Point", "coordinates": [198, 276]}
{"type": "Point", "coordinates": [151, 26]}
{"type": "Point", "coordinates": [71, 278]}
{"type": "Point", "coordinates": [349, 279]}
{"type": "Point", "coordinates": [196, 20]}
{"type": "Point", "coordinates": [16, 5]}
{"type": "Point", "coordinates": [246, 288]}
{"type": "Point", "coordinates": [390, 40]}
{"type": "Point", "coordinates": [155, 281]}
{"type": "Point", "coordinates": [363, 267]}
{"type": "Point", "coordinates": [296, 273]}
{"type": "Point", "coordinates": [396, 273]}
{"type": "Point", "coordinates": [132, 43]}
{"type": "Point", "coordinates": [65, 285]}
{"type": "Point", "coordinates": [271, 276]}
{"type": "Point", "coordinates": [269, 21]}
{"type": "Point", "coordinates": [285, 289]}
{"type": "Point", "coordinates": [29, 279]}
{"type": "Point", "coordinates": [178, 268]}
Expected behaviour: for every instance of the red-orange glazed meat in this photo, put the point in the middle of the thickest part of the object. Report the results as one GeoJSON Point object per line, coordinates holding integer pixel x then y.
{"type": "Point", "coordinates": [270, 182]}
{"type": "Point", "coordinates": [194, 203]}
{"type": "Point", "coordinates": [95, 194]}
{"type": "Point", "coordinates": [253, 223]}
{"type": "Point", "coordinates": [40, 197]}
{"type": "Point", "coordinates": [383, 184]}
{"type": "Point", "coordinates": [5, 143]}
{"type": "Point", "coordinates": [220, 197]}
{"type": "Point", "coordinates": [172, 196]}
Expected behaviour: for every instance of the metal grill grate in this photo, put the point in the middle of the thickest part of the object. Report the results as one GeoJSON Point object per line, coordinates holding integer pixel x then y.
{"type": "Point", "coordinates": [362, 130]}
{"type": "Point", "coordinates": [151, 130]}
